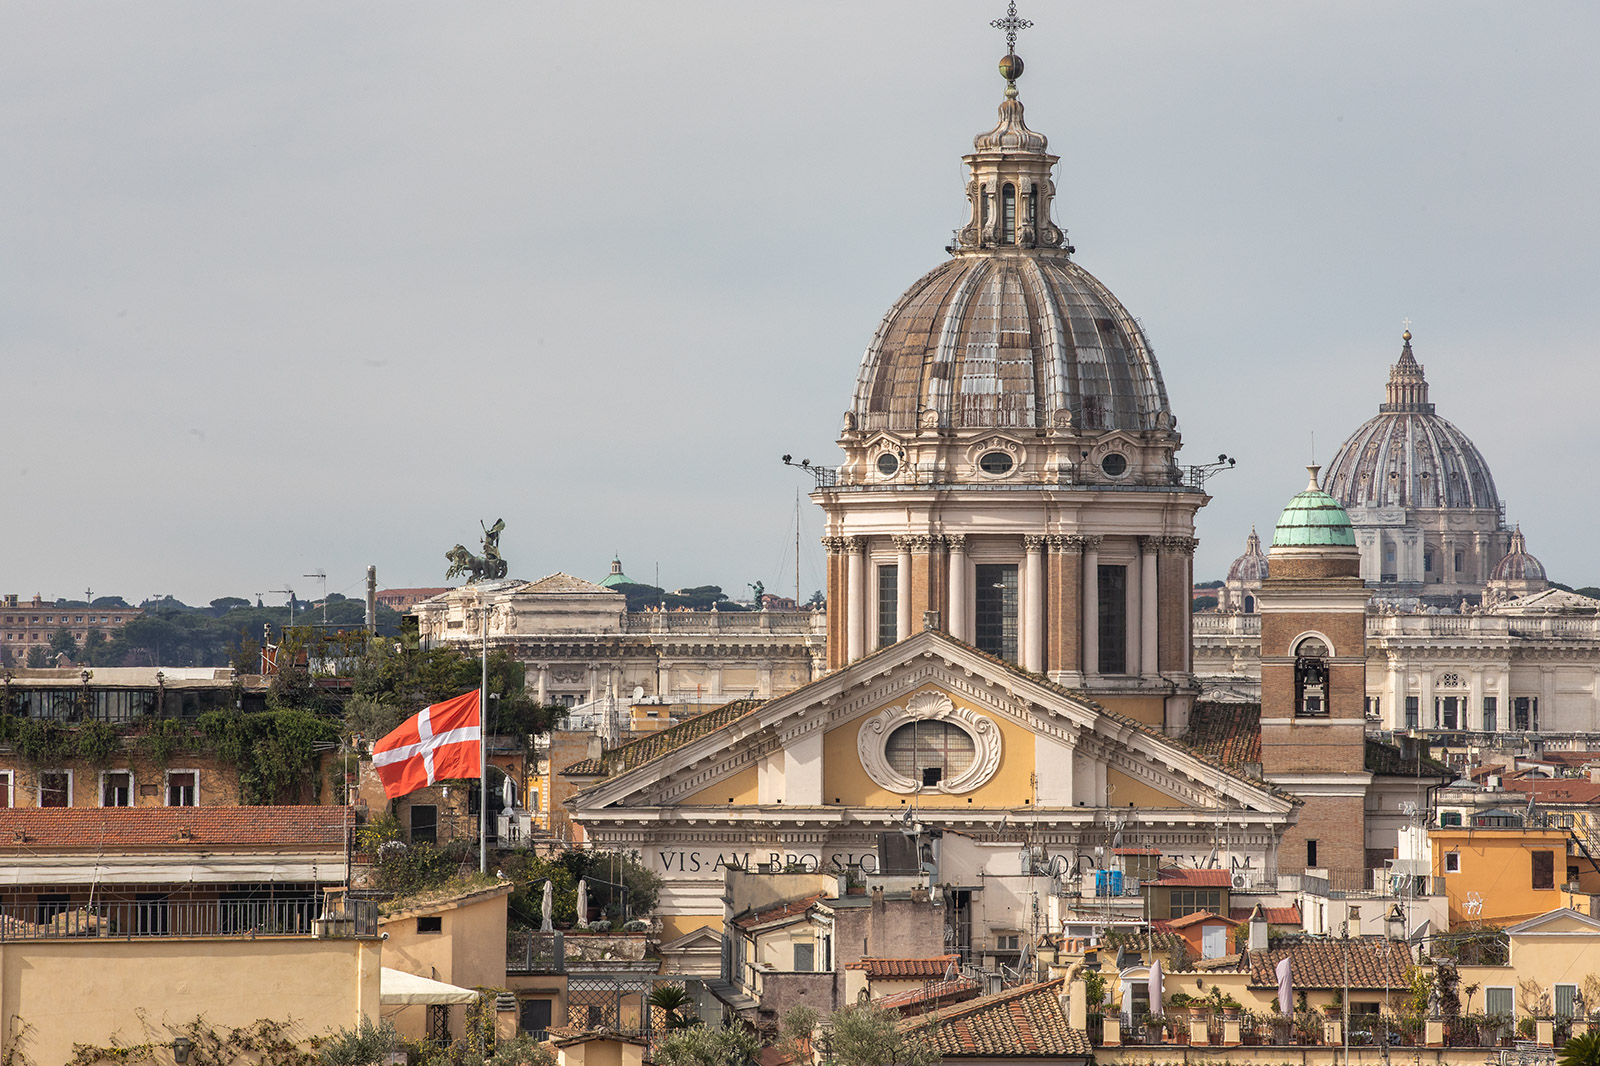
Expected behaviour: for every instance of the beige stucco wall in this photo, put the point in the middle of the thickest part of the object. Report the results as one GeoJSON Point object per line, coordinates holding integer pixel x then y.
{"type": "Point", "coordinates": [469, 951]}
{"type": "Point", "coordinates": [57, 993]}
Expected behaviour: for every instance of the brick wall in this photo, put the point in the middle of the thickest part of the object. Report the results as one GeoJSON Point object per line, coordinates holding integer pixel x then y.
{"type": "Point", "coordinates": [1339, 826]}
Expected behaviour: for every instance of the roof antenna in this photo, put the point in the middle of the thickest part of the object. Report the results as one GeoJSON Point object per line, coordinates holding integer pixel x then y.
{"type": "Point", "coordinates": [1313, 447]}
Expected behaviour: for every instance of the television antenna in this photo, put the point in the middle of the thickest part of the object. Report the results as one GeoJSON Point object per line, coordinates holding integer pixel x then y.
{"type": "Point", "coordinates": [322, 576]}
{"type": "Point", "coordinates": [1474, 904]}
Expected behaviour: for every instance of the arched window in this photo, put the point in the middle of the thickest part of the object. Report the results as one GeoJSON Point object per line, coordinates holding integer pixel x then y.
{"type": "Point", "coordinates": [1033, 207]}
{"type": "Point", "coordinates": [1311, 678]}
{"type": "Point", "coordinates": [930, 751]}
{"type": "Point", "coordinates": [983, 199]}
{"type": "Point", "coordinates": [1008, 217]}
{"type": "Point", "coordinates": [1249, 605]}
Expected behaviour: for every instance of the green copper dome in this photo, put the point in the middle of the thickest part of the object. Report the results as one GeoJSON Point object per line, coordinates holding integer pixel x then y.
{"type": "Point", "coordinates": [1314, 519]}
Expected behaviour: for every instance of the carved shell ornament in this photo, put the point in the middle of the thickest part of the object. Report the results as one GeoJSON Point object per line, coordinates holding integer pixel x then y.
{"type": "Point", "coordinates": [873, 740]}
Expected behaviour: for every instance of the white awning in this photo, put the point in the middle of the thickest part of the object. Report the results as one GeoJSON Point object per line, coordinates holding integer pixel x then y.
{"type": "Point", "coordinates": [398, 988]}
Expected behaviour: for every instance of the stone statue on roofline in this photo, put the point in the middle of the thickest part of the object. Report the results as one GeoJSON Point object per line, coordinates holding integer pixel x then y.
{"type": "Point", "coordinates": [491, 566]}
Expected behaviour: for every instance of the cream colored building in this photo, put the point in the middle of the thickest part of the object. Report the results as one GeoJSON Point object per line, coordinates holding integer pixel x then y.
{"type": "Point", "coordinates": [460, 940]}
{"type": "Point", "coordinates": [926, 734]}
{"type": "Point", "coordinates": [1523, 666]}
{"type": "Point", "coordinates": [583, 647]}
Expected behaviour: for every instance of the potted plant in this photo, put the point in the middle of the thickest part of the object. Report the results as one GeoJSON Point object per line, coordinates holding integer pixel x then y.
{"type": "Point", "coordinates": [1335, 1009]}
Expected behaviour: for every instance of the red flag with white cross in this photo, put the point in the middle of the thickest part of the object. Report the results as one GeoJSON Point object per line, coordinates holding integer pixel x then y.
{"type": "Point", "coordinates": [438, 743]}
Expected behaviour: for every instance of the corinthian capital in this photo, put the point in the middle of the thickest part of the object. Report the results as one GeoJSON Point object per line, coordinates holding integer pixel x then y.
{"type": "Point", "coordinates": [1034, 543]}
{"type": "Point", "coordinates": [1178, 545]}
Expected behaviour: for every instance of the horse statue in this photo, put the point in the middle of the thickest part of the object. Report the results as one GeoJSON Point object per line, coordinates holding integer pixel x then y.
{"type": "Point", "coordinates": [490, 566]}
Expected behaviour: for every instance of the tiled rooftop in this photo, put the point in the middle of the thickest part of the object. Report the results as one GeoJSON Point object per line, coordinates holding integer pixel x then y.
{"type": "Point", "coordinates": [1176, 878]}
{"type": "Point", "coordinates": [781, 910]}
{"type": "Point", "coordinates": [1230, 733]}
{"type": "Point", "coordinates": [637, 753]}
{"type": "Point", "coordinates": [119, 828]}
{"type": "Point", "coordinates": [881, 968]}
{"type": "Point", "coordinates": [1026, 1022]}
{"type": "Point", "coordinates": [1275, 915]}
{"type": "Point", "coordinates": [1374, 963]}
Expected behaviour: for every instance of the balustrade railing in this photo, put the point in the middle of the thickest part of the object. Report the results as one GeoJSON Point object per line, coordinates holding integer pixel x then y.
{"type": "Point", "coordinates": [276, 916]}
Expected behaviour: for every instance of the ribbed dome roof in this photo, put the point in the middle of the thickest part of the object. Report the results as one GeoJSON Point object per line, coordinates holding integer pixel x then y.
{"type": "Point", "coordinates": [1518, 565]}
{"type": "Point", "coordinates": [1251, 567]}
{"type": "Point", "coordinates": [1313, 519]}
{"type": "Point", "coordinates": [1409, 457]}
{"type": "Point", "coordinates": [1007, 339]}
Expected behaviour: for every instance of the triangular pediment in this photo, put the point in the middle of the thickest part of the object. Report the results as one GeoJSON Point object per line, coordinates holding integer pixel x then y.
{"type": "Point", "coordinates": [858, 739]}
{"type": "Point", "coordinates": [1564, 921]}
{"type": "Point", "coordinates": [559, 584]}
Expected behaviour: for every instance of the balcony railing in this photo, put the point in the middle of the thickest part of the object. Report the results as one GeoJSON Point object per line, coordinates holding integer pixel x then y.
{"type": "Point", "coordinates": [278, 916]}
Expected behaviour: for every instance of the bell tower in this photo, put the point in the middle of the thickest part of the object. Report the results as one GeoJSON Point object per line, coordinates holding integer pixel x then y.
{"type": "Point", "coordinates": [1313, 683]}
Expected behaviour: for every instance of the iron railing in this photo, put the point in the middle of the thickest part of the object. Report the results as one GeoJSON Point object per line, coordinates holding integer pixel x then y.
{"type": "Point", "coordinates": [126, 919]}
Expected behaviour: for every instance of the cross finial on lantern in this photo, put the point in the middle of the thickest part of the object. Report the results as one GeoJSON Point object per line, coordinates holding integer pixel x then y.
{"type": "Point", "coordinates": [1011, 24]}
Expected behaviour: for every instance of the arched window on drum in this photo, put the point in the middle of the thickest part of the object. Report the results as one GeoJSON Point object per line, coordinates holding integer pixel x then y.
{"type": "Point", "coordinates": [1311, 678]}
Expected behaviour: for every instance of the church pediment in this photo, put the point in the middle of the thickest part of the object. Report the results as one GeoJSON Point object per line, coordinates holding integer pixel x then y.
{"type": "Point", "coordinates": [928, 723]}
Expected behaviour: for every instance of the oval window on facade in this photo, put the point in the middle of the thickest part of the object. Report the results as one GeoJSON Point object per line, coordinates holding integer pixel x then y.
{"type": "Point", "coordinates": [995, 463]}
{"type": "Point", "coordinates": [920, 746]}
{"type": "Point", "coordinates": [1114, 465]}
{"type": "Point", "coordinates": [888, 463]}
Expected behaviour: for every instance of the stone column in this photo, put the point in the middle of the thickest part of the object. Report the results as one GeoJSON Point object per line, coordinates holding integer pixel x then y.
{"type": "Point", "coordinates": [1033, 620]}
{"type": "Point", "coordinates": [1149, 637]}
{"type": "Point", "coordinates": [1063, 606]}
{"type": "Point", "coordinates": [838, 594]}
{"type": "Point", "coordinates": [902, 585]}
{"type": "Point", "coordinates": [1174, 578]}
{"type": "Point", "coordinates": [544, 685]}
{"type": "Point", "coordinates": [957, 625]}
{"type": "Point", "coordinates": [1091, 607]}
{"type": "Point", "coordinates": [856, 599]}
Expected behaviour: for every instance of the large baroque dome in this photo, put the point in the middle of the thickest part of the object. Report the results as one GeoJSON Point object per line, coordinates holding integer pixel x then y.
{"type": "Point", "coordinates": [1408, 456]}
{"type": "Point", "coordinates": [1009, 342]}
{"type": "Point", "coordinates": [989, 340]}
{"type": "Point", "coordinates": [1425, 510]}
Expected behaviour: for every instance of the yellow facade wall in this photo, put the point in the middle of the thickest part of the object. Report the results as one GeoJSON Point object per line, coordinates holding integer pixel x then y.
{"type": "Point", "coordinates": [742, 787]}
{"type": "Point", "coordinates": [675, 925]}
{"type": "Point", "coordinates": [1128, 790]}
{"type": "Point", "coordinates": [1497, 865]}
{"type": "Point", "coordinates": [1148, 710]}
{"type": "Point", "coordinates": [56, 993]}
{"type": "Point", "coordinates": [844, 782]}
{"type": "Point", "coordinates": [468, 951]}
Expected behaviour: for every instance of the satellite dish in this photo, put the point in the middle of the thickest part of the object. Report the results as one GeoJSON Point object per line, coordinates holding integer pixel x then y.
{"type": "Point", "coordinates": [638, 692]}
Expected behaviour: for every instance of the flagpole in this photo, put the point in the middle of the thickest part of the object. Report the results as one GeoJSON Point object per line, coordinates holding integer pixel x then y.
{"type": "Point", "coordinates": [483, 748]}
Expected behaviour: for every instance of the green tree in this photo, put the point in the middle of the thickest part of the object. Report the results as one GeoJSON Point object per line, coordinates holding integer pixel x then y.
{"type": "Point", "coordinates": [365, 1045]}
{"type": "Point", "coordinates": [676, 1005]}
{"type": "Point", "coordinates": [521, 1050]}
{"type": "Point", "coordinates": [38, 657]}
{"type": "Point", "coordinates": [1581, 1050]}
{"type": "Point", "coordinates": [868, 1035]}
{"type": "Point", "coordinates": [702, 1046]}
{"type": "Point", "coordinates": [62, 642]}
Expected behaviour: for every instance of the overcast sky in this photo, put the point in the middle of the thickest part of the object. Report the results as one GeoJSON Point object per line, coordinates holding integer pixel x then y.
{"type": "Point", "coordinates": [288, 286]}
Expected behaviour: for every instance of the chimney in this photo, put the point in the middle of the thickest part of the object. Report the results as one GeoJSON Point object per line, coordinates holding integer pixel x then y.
{"type": "Point", "coordinates": [1258, 929]}
{"type": "Point", "coordinates": [1078, 1009]}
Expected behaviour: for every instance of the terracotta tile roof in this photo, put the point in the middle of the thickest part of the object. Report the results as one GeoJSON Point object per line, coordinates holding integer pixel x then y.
{"type": "Point", "coordinates": [962, 988]}
{"type": "Point", "coordinates": [1175, 878]}
{"type": "Point", "coordinates": [1374, 963]}
{"type": "Point", "coordinates": [1275, 915]}
{"type": "Point", "coordinates": [1556, 791]}
{"type": "Point", "coordinates": [636, 753]}
{"type": "Point", "coordinates": [880, 968]}
{"type": "Point", "coordinates": [1021, 1023]}
{"type": "Point", "coordinates": [781, 910]}
{"type": "Point", "coordinates": [1230, 733]}
{"type": "Point", "coordinates": [1199, 916]}
{"type": "Point", "coordinates": [32, 829]}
